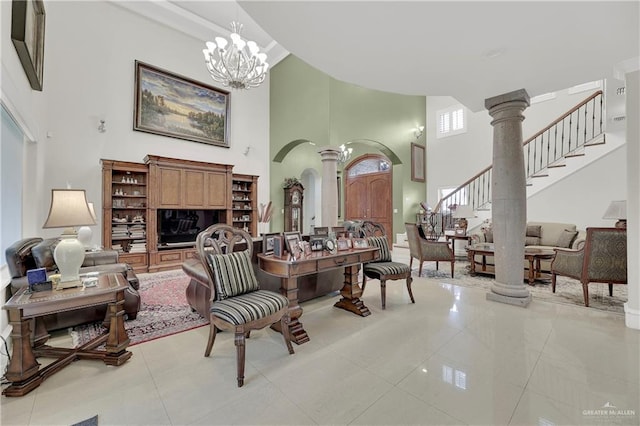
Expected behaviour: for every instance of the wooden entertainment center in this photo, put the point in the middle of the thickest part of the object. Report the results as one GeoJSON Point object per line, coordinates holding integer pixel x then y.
{"type": "Point", "coordinates": [152, 211]}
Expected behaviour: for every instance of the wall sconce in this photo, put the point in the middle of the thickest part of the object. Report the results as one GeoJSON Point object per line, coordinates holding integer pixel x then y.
{"type": "Point", "coordinates": [419, 131]}
{"type": "Point", "coordinates": [102, 127]}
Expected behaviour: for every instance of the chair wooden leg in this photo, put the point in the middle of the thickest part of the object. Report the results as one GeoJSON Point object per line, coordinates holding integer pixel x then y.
{"type": "Point", "coordinates": [420, 268]}
{"type": "Point", "coordinates": [553, 282]}
{"type": "Point", "coordinates": [364, 283]}
{"type": "Point", "coordinates": [410, 261]}
{"type": "Point", "coordinates": [452, 267]}
{"type": "Point", "coordinates": [437, 265]}
{"type": "Point", "coordinates": [212, 337]}
{"type": "Point", "coordinates": [383, 292]}
{"type": "Point", "coordinates": [585, 291]}
{"type": "Point", "coordinates": [409, 280]}
{"type": "Point", "coordinates": [284, 326]}
{"type": "Point", "coordinates": [240, 343]}
{"type": "Point", "coordinates": [610, 290]}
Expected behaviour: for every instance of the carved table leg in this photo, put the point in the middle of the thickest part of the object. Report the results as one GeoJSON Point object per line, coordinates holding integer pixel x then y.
{"type": "Point", "coordinates": [289, 288]}
{"type": "Point", "coordinates": [117, 340]}
{"type": "Point", "coordinates": [23, 368]}
{"type": "Point", "coordinates": [351, 293]}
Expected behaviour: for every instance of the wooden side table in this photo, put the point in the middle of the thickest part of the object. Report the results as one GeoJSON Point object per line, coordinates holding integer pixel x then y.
{"type": "Point", "coordinates": [24, 371]}
{"type": "Point", "coordinates": [454, 237]}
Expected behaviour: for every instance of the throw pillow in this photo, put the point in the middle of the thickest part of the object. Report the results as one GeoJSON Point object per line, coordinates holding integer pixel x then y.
{"type": "Point", "coordinates": [232, 274]}
{"type": "Point", "coordinates": [534, 231]}
{"type": "Point", "coordinates": [566, 238]}
{"type": "Point", "coordinates": [532, 241]}
{"type": "Point", "coordinates": [488, 236]}
{"type": "Point", "coordinates": [383, 245]}
{"type": "Point", "coordinates": [43, 254]}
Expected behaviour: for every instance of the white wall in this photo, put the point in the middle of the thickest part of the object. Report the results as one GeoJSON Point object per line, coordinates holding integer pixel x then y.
{"type": "Point", "coordinates": [90, 50]}
{"type": "Point", "coordinates": [453, 160]}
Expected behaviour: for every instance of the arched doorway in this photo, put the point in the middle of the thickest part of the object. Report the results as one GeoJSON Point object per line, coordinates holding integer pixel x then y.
{"type": "Point", "coordinates": [368, 191]}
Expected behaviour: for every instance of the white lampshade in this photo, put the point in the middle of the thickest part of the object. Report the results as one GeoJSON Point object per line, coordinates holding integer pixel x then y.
{"type": "Point", "coordinates": [463, 211]}
{"type": "Point", "coordinates": [69, 208]}
{"type": "Point", "coordinates": [617, 210]}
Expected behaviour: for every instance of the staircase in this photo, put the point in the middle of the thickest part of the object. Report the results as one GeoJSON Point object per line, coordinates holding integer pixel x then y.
{"type": "Point", "coordinates": [568, 136]}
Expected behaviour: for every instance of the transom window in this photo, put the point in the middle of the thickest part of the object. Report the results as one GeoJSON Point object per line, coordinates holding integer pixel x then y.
{"type": "Point", "coordinates": [369, 165]}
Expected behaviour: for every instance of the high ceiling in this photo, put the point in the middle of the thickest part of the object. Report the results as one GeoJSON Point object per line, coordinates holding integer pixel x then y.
{"type": "Point", "coordinates": [470, 50]}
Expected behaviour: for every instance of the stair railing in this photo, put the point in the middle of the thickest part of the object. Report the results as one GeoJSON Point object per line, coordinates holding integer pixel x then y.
{"type": "Point", "coordinates": [566, 136]}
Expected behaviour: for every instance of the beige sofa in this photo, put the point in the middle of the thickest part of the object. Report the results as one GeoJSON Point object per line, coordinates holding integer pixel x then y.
{"type": "Point", "coordinates": [545, 235]}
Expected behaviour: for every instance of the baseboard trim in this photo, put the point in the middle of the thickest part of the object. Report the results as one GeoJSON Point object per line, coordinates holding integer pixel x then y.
{"type": "Point", "coordinates": [631, 317]}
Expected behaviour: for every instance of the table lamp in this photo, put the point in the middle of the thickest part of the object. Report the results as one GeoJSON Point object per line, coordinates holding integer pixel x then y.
{"type": "Point", "coordinates": [462, 212]}
{"type": "Point", "coordinates": [617, 210]}
{"type": "Point", "coordinates": [84, 232]}
{"type": "Point", "coordinates": [68, 208]}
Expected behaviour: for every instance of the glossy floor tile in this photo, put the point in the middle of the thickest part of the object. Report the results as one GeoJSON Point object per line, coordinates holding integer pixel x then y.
{"type": "Point", "coordinates": [451, 358]}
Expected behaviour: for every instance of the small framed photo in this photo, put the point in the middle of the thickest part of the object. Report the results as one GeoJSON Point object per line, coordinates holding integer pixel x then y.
{"type": "Point", "coordinates": [267, 242]}
{"type": "Point", "coordinates": [306, 247]}
{"type": "Point", "coordinates": [360, 243]}
{"type": "Point", "coordinates": [316, 243]}
{"type": "Point", "coordinates": [343, 244]}
{"type": "Point", "coordinates": [293, 243]}
{"type": "Point", "coordinates": [321, 230]}
{"type": "Point", "coordinates": [278, 245]}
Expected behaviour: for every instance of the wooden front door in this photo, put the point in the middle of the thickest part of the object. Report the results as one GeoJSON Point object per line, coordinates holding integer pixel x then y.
{"type": "Point", "coordinates": [368, 190]}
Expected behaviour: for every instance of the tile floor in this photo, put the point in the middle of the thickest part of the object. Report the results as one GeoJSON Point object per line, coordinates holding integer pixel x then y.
{"type": "Point", "coordinates": [451, 358]}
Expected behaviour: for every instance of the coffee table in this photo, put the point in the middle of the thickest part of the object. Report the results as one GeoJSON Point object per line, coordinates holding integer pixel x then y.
{"type": "Point", "coordinates": [24, 371]}
{"type": "Point", "coordinates": [532, 255]}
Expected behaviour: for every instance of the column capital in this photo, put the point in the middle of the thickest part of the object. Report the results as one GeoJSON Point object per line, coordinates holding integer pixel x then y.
{"type": "Point", "coordinates": [329, 153]}
{"type": "Point", "coordinates": [520, 95]}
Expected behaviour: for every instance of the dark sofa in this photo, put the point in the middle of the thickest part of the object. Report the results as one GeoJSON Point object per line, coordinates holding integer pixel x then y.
{"type": "Point", "coordinates": [30, 253]}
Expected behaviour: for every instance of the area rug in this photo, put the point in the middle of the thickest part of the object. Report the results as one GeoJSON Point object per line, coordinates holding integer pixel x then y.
{"type": "Point", "coordinates": [165, 311]}
{"type": "Point", "coordinates": [568, 291]}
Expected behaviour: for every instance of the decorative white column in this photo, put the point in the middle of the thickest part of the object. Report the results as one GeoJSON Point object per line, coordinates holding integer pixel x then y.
{"type": "Point", "coordinates": [508, 197]}
{"type": "Point", "coordinates": [329, 194]}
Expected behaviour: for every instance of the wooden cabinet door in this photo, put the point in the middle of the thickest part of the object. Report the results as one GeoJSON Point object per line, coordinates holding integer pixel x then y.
{"type": "Point", "coordinates": [217, 190]}
{"type": "Point", "coordinates": [194, 188]}
{"type": "Point", "coordinates": [170, 187]}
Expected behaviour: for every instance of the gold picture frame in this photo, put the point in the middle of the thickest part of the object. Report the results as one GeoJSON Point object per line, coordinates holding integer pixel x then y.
{"type": "Point", "coordinates": [418, 173]}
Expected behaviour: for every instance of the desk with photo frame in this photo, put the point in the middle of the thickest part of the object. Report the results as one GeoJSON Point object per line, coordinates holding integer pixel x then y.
{"type": "Point", "coordinates": [24, 371]}
{"type": "Point", "coordinates": [289, 270]}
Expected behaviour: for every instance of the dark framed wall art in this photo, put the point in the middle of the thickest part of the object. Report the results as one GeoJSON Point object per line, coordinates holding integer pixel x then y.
{"type": "Point", "coordinates": [27, 35]}
{"type": "Point", "coordinates": [417, 163]}
{"type": "Point", "coordinates": [172, 105]}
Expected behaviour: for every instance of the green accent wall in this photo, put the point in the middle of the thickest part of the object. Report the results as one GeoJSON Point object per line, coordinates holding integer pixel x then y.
{"type": "Point", "coordinates": [307, 104]}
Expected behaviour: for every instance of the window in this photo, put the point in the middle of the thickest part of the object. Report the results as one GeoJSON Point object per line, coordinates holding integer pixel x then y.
{"type": "Point", "coordinates": [452, 121]}
{"type": "Point", "coordinates": [11, 155]}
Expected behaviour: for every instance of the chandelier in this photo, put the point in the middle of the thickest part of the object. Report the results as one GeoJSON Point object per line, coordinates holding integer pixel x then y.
{"type": "Point", "coordinates": [238, 65]}
{"type": "Point", "coordinates": [345, 154]}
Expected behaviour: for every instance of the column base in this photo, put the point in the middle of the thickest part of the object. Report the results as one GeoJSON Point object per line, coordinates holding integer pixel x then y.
{"type": "Point", "coordinates": [510, 300]}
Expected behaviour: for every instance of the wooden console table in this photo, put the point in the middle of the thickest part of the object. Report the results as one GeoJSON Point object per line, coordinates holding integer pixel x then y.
{"type": "Point", "coordinates": [290, 270]}
{"type": "Point", "coordinates": [24, 371]}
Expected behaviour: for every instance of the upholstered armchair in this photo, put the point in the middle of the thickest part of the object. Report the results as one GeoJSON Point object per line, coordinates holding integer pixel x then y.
{"type": "Point", "coordinates": [602, 259]}
{"type": "Point", "coordinates": [426, 250]}
{"type": "Point", "coordinates": [237, 303]}
{"type": "Point", "coordinates": [384, 268]}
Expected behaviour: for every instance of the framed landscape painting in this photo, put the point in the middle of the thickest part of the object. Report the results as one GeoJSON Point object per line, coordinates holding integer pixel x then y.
{"type": "Point", "coordinates": [27, 35]}
{"type": "Point", "coordinates": [171, 105]}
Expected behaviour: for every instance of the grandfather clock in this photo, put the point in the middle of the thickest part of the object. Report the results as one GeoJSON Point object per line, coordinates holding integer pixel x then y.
{"type": "Point", "coordinates": [293, 208]}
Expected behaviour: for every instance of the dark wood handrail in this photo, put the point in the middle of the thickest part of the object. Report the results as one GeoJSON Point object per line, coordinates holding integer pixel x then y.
{"type": "Point", "coordinates": [566, 114]}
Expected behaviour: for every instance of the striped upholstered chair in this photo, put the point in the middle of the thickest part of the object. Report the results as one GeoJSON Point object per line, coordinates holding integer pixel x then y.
{"type": "Point", "coordinates": [385, 269]}
{"type": "Point", "coordinates": [237, 303]}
